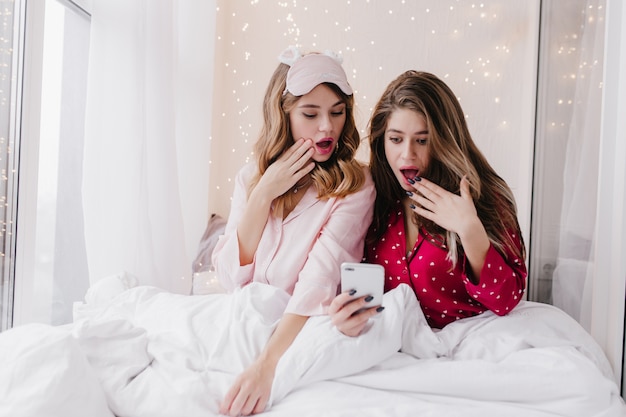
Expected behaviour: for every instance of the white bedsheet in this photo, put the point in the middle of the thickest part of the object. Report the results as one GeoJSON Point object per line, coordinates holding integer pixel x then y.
{"type": "Point", "coordinates": [152, 353]}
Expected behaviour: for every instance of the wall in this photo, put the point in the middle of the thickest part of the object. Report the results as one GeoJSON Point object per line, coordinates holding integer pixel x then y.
{"type": "Point", "coordinates": [486, 51]}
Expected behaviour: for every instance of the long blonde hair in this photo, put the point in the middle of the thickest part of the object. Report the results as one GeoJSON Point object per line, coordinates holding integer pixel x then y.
{"type": "Point", "coordinates": [453, 155]}
{"type": "Point", "coordinates": [341, 175]}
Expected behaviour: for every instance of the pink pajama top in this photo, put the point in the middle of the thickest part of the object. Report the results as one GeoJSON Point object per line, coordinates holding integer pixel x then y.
{"type": "Point", "coordinates": [446, 294]}
{"type": "Point", "coordinates": [301, 254]}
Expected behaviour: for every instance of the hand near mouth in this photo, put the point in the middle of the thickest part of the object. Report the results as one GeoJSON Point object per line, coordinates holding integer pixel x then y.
{"type": "Point", "coordinates": [456, 213]}
{"type": "Point", "coordinates": [288, 169]}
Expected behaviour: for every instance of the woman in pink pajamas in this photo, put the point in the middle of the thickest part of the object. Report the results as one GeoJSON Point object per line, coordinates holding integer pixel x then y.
{"type": "Point", "coordinates": [298, 211]}
{"type": "Point", "coordinates": [445, 222]}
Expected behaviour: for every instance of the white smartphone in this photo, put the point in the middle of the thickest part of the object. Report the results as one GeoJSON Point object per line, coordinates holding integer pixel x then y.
{"type": "Point", "coordinates": [366, 279]}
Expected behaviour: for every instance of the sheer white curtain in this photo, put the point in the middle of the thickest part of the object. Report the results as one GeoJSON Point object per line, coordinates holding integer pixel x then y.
{"type": "Point", "coordinates": [580, 181]}
{"type": "Point", "coordinates": [573, 275]}
{"type": "Point", "coordinates": [609, 285]}
{"type": "Point", "coordinates": [147, 138]}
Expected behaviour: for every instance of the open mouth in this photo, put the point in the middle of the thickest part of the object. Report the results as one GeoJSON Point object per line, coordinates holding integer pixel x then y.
{"type": "Point", "coordinates": [324, 146]}
{"type": "Point", "coordinates": [410, 173]}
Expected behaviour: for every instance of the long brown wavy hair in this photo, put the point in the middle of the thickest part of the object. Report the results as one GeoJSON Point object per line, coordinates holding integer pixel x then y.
{"type": "Point", "coordinates": [453, 154]}
{"type": "Point", "coordinates": [341, 175]}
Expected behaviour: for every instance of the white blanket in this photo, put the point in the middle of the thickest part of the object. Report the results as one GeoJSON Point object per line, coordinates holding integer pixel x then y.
{"type": "Point", "coordinates": [152, 353]}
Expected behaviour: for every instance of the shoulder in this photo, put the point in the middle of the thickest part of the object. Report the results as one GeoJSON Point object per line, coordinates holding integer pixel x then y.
{"type": "Point", "coordinates": [246, 172]}
{"type": "Point", "coordinates": [365, 195]}
{"type": "Point", "coordinates": [368, 187]}
{"type": "Point", "coordinates": [368, 174]}
{"type": "Point", "coordinates": [368, 182]}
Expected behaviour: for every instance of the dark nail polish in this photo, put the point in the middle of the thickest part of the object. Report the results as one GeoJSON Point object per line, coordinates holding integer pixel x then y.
{"type": "Point", "coordinates": [368, 298]}
{"type": "Point", "coordinates": [410, 181]}
{"type": "Point", "coordinates": [412, 206]}
{"type": "Point", "coordinates": [409, 193]}
{"type": "Point", "coordinates": [352, 292]}
{"type": "Point", "coordinates": [418, 178]}
{"type": "Point", "coordinates": [379, 309]}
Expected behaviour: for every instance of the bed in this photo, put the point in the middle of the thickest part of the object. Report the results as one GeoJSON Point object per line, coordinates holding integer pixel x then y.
{"type": "Point", "coordinates": [141, 351]}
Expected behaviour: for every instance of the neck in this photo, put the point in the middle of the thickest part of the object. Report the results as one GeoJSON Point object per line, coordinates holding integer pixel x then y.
{"type": "Point", "coordinates": [411, 229]}
{"type": "Point", "coordinates": [302, 183]}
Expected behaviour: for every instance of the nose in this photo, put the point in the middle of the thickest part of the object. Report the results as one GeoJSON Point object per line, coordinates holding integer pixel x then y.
{"type": "Point", "coordinates": [408, 151]}
{"type": "Point", "coordinates": [325, 124]}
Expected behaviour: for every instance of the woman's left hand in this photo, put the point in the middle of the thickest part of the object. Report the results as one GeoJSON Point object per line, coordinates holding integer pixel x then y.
{"type": "Point", "coordinates": [349, 314]}
{"type": "Point", "coordinates": [250, 392]}
{"type": "Point", "coordinates": [453, 212]}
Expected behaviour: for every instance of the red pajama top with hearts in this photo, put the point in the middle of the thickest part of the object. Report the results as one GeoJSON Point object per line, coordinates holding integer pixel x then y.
{"type": "Point", "coordinates": [446, 294]}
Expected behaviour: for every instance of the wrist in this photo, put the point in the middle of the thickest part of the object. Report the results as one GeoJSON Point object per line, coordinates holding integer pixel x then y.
{"type": "Point", "coordinates": [267, 362]}
{"type": "Point", "coordinates": [475, 240]}
{"type": "Point", "coordinates": [260, 197]}
{"type": "Point", "coordinates": [473, 230]}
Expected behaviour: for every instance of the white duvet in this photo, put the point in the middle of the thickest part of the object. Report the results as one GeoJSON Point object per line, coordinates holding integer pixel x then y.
{"type": "Point", "coordinates": [152, 353]}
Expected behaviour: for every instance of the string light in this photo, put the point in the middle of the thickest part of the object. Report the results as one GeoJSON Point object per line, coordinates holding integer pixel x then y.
{"type": "Point", "coordinates": [477, 47]}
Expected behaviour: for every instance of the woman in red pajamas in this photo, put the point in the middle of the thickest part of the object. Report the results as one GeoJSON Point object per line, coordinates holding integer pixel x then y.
{"type": "Point", "coordinates": [445, 222]}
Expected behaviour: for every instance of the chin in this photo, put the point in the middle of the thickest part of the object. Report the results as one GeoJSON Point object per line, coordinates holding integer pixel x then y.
{"type": "Point", "coordinates": [320, 159]}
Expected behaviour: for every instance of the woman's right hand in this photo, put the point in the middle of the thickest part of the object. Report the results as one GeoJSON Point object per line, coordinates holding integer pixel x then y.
{"type": "Point", "coordinates": [288, 169]}
{"type": "Point", "coordinates": [349, 314]}
{"type": "Point", "coordinates": [279, 177]}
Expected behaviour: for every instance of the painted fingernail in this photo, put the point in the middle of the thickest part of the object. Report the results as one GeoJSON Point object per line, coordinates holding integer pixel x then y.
{"type": "Point", "coordinates": [409, 193]}
{"type": "Point", "coordinates": [352, 292]}
{"type": "Point", "coordinates": [368, 298]}
{"type": "Point", "coordinates": [412, 206]}
{"type": "Point", "coordinates": [410, 181]}
{"type": "Point", "coordinates": [418, 178]}
{"type": "Point", "coordinates": [379, 309]}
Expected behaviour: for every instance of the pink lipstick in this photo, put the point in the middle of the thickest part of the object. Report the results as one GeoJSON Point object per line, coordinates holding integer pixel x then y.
{"type": "Point", "coordinates": [324, 146]}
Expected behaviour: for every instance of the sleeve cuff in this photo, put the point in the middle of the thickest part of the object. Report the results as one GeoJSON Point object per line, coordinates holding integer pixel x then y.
{"type": "Point", "coordinates": [310, 300]}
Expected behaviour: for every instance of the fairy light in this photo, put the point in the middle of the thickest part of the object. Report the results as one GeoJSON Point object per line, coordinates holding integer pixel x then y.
{"type": "Point", "coordinates": [475, 46]}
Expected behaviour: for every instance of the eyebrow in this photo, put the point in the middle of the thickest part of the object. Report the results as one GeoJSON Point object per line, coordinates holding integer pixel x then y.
{"type": "Point", "coordinates": [422, 132]}
{"type": "Point", "coordinates": [317, 107]}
